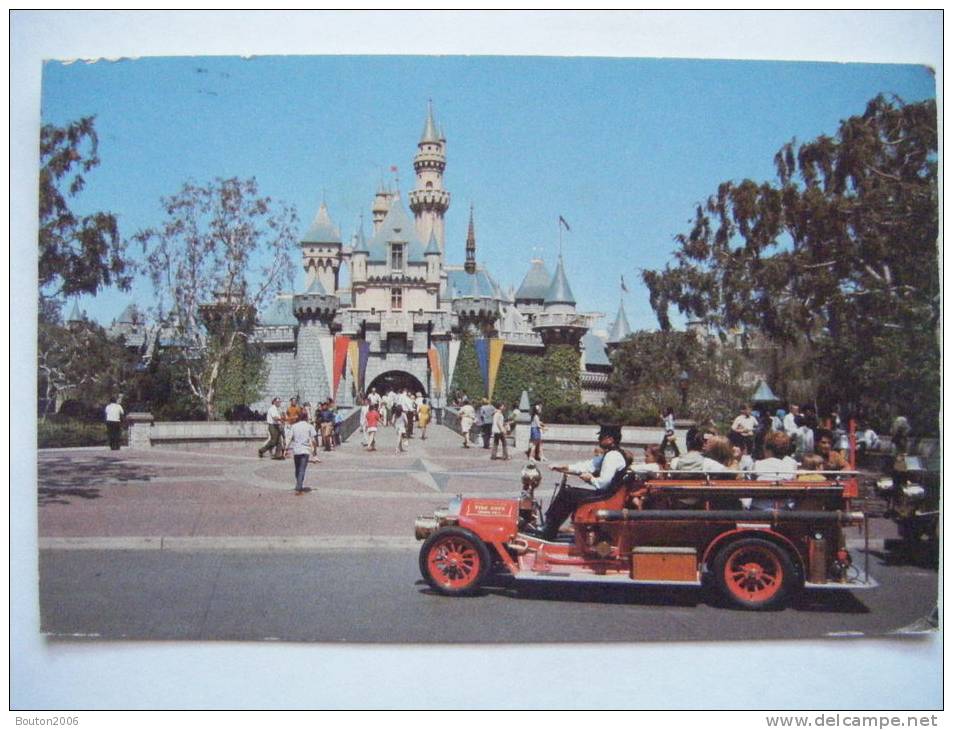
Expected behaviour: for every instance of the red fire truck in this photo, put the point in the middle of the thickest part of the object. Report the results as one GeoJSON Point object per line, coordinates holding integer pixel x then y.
{"type": "Point", "coordinates": [756, 542]}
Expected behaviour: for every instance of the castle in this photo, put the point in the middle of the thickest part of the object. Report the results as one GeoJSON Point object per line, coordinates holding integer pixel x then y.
{"type": "Point", "coordinates": [406, 301]}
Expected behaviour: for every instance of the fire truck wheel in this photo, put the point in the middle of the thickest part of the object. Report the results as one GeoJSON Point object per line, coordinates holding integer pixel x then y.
{"type": "Point", "coordinates": [754, 574]}
{"type": "Point", "coordinates": [453, 561]}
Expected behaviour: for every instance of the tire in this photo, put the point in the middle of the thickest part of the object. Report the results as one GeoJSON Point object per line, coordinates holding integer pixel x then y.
{"type": "Point", "coordinates": [454, 561]}
{"type": "Point", "coordinates": [754, 574]}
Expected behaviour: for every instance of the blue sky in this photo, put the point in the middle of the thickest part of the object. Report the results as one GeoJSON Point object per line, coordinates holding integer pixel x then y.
{"type": "Point", "coordinates": [622, 148]}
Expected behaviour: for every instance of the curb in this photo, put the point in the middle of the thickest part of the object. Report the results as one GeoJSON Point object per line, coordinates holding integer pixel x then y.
{"type": "Point", "coordinates": [343, 542]}
{"type": "Point", "coordinates": [338, 543]}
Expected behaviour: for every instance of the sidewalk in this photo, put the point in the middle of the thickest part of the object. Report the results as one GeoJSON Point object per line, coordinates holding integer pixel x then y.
{"type": "Point", "coordinates": [227, 498]}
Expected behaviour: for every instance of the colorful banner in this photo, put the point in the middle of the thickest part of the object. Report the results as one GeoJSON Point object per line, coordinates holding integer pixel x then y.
{"type": "Point", "coordinates": [364, 352]}
{"type": "Point", "coordinates": [435, 370]}
{"type": "Point", "coordinates": [496, 355]}
{"type": "Point", "coordinates": [443, 352]}
{"type": "Point", "coordinates": [482, 346]}
{"type": "Point", "coordinates": [454, 351]}
{"type": "Point", "coordinates": [353, 361]}
{"type": "Point", "coordinates": [341, 343]}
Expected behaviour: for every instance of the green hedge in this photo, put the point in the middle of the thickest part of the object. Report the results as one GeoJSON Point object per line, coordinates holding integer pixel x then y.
{"type": "Point", "coordinates": [552, 378]}
{"type": "Point", "coordinates": [62, 433]}
{"type": "Point", "coordinates": [585, 413]}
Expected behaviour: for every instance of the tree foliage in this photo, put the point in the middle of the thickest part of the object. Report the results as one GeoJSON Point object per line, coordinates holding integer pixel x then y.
{"type": "Point", "coordinates": [647, 366]}
{"type": "Point", "coordinates": [839, 251]}
{"type": "Point", "coordinates": [221, 252]}
{"type": "Point", "coordinates": [77, 254]}
{"type": "Point", "coordinates": [82, 363]}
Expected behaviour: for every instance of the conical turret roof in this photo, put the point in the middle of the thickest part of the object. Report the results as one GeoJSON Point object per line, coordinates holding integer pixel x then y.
{"type": "Point", "coordinates": [360, 242]}
{"type": "Point", "coordinates": [430, 133]}
{"type": "Point", "coordinates": [559, 291]}
{"type": "Point", "coordinates": [535, 283]}
{"type": "Point", "coordinates": [322, 230]}
{"type": "Point", "coordinates": [76, 315]}
{"type": "Point", "coordinates": [316, 287]}
{"type": "Point", "coordinates": [764, 394]}
{"type": "Point", "coordinates": [620, 328]}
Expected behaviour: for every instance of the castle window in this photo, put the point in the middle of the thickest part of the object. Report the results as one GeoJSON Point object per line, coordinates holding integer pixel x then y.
{"type": "Point", "coordinates": [396, 298]}
{"type": "Point", "coordinates": [397, 257]}
{"type": "Point", "coordinates": [429, 186]}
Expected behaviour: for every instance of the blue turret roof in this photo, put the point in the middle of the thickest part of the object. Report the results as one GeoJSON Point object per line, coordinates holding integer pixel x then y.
{"type": "Point", "coordinates": [316, 287]}
{"type": "Point", "coordinates": [535, 283]}
{"type": "Point", "coordinates": [76, 316]}
{"type": "Point", "coordinates": [764, 394]}
{"type": "Point", "coordinates": [559, 291]}
{"type": "Point", "coordinates": [594, 349]}
{"type": "Point", "coordinates": [430, 133]}
{"type": "Point", "coordinates": [322, 230]}
{"type": "Point", "coordinates": [280, 313]}
{"type": "Point", "coordinates": [478, 284]}
{"type": "Point", "coordinates": [360, 242]}
{"type": "Point", "coordinates": [620, 328]}
{"type": "Point", "coordinates": [396, 226]}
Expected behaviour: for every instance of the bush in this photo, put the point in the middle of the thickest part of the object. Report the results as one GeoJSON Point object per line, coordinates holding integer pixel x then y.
{"type": "Point", "coordinates": [79, 411]}
{"type": "Point", "coordinates": [64, 432]}
{"type": "Point", "coordinates": [242, 412]}
{"type": "Point", "coordinates": [585, 413]}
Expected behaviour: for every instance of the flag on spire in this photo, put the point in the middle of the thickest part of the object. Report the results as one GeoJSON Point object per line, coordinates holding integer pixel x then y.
{"type": "Point", "coordinates": [622, 284]}
{"type": "Point", "coordinates": [562, 221]}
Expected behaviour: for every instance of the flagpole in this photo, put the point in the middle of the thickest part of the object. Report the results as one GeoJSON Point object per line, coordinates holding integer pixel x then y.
{"type": "Point", "coordinates": [560, 229]}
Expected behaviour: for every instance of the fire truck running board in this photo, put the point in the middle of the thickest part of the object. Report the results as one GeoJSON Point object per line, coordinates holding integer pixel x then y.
{"type": "Point", "coordinates": [555, 576]}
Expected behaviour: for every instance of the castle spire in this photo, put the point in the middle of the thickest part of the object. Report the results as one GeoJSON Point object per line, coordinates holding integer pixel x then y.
{"type": "Point", "coordinates": [428, 200]}
{"type": "Point", "coordinates": [470, 265]}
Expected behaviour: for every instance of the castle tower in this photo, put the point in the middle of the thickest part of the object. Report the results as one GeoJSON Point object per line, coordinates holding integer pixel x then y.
{"type": "Point", "coordinates": [321, 252]}
{"type": "Point", "coordinates": [382, 201]}
{"type": "Point", "coordinates": [558, 323]}
{"type": "Point", "coordinates": [429, 201]}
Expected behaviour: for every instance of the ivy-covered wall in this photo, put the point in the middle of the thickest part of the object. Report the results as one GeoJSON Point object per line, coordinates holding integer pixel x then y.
{"type": "Point", "coordinates": [552, 378]}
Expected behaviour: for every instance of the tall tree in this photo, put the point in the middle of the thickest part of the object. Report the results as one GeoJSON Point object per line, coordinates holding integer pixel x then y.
{"type": "Point", "coordinates": [78, 254]}
{"type": "Point", "coordinates": [220, 254]}
{"type": "Point", "coordinates": [840, 251]}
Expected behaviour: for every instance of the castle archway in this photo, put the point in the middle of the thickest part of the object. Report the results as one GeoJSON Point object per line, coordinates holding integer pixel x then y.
{"type": "Point", "coordinates": [396, 380]}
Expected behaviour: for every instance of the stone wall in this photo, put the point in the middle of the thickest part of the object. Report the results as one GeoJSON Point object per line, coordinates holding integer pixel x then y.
{"type": "Point", "coordinates": [281, 378]}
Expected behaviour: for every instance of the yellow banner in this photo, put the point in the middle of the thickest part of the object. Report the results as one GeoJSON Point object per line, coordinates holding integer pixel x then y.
{"type": "Point", "coordinates": [496, 354]}
{"type": "Point", "coordinates": [435, 370]}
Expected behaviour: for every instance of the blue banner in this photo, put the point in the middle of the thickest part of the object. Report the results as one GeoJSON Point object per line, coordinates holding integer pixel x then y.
{"type": "Point", "coordinates": [483, 357]}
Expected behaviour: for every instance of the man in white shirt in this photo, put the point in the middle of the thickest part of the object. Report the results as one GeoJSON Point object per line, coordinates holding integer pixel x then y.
{"type": "Point", "coordinates": [742, 429]}
{"type": "Point", "coordinates": [499, 431]}
{"type": "Point", "coordinates": [303, 438]}
{"type": "Point", "coordinates": [791, 420]}
{"type": "Point", "coordinates": [114, 416]}
{"type": "Point", "coordinates": [601, 475]}
{"type": "Point", "coordinates": [273, 419]}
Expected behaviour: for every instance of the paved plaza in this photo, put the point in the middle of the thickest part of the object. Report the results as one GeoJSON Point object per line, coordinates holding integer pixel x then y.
{"type": "Point", "coordinates": [197, 496]}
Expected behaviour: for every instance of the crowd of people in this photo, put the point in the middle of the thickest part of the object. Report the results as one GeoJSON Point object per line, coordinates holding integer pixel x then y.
{"type": "Point", "coordinates": [495, 422]}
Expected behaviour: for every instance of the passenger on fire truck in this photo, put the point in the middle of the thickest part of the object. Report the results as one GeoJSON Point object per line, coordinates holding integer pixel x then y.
{"type": "Point", "coordinates": [601, 474]}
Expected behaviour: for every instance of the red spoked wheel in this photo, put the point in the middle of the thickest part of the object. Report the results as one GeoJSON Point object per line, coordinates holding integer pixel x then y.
{"type": "Point", "coordinates": [453, 561]}
{"type": "Point", "coordinates": [754, 574]}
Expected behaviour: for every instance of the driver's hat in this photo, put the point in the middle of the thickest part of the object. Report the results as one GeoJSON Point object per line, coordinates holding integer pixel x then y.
{"type": "Point", "coordinates": [610, 429]}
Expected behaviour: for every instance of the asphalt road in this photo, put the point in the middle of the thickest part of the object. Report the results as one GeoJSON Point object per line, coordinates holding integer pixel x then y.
{"type": "Point", "coordinates": [379, 596]}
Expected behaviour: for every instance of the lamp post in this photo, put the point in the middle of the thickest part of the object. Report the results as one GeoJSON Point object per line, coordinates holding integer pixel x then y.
{"type": "Point", "coordinates": [683, 387]}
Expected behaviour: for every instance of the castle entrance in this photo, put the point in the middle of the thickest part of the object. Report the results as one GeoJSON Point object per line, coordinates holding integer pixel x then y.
{"type": "Point", "coordinates": [396, 380]}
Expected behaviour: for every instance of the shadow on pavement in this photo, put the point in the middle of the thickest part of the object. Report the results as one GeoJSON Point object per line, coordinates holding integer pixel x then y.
{"type": "Point", "coordinates": [63, 477]}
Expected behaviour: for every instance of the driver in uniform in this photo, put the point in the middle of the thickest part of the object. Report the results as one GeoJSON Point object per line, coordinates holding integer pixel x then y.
{"type": "Point", "coordinates": [600, 474]}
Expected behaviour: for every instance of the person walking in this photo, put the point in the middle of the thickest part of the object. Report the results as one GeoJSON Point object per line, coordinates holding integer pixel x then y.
{"type": "Point", "coordinates": [536, 434]}
{"type": "Point", "coordinates": [423, 418]}
{"type": "Point", "coordinates": [365, 407]}
{"type": "Point", "coordinates": [411, 413]}
{"type": "Point", "coordinates": [302, 438]}
{"type": "Point", "coordinates": [467, 418]}
{"type": "Point", "coordinates": [373, 422]}
{"type": "Point", "coordinates": [114, 416]}
{"type": "Point", "coordinates": [327, 426]}
{"type": "Point", "coordinates": [273, 419]}
{"type": "Point", "coordinates": [400, 427]}
{"type": "Point", "coordinates": [486, 422]}
{"type": "Point", "coordinates": [498, 426]}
